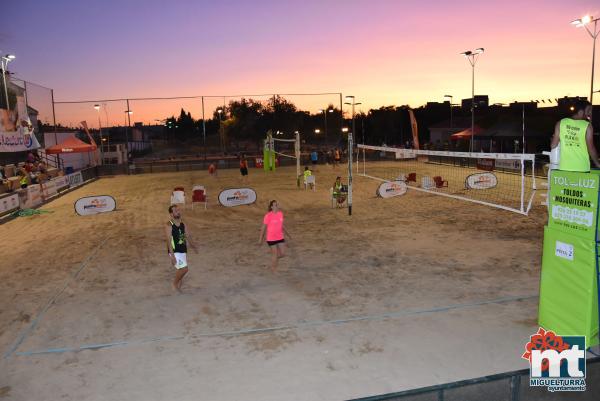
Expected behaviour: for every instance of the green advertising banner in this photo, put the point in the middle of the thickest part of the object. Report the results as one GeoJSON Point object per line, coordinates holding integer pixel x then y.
{"type": "Point", "coordinates": [573, 203]}
{"type": "Point", "coordinates": [568, 286]}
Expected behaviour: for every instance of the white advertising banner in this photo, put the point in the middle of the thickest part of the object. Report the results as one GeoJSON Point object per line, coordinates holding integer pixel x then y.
{"type": "Point", "coordinates": [49, 189]}
{"type": "Point", "coordinates": [95, 204]}
{"type": "Point", "coordinates": [481, 181]}
{"type": "Point", "coordinates": [61, 182]}
{"type": "Point", "coordinates": [17, 142]}
{"type": "Point", "coordinates": [509, 164]}
{"type": "Point", "coordinates": [237, 196]}
{"type": "Point", "coordinates": [9, 203]}
{"type": "Point", "coordinates": [391, 189]}
{"type": "Point", "coordinates": [30, 197]}
{"type": "Point", "coordinates": [75, 179]}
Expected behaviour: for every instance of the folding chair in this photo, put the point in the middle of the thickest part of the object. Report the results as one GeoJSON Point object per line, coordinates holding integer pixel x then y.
{"type": "Point", "coordinates": [178, 196]}
{"type": "Point", "coordinates": [439, 182]}
{"type": "Point", "coordinates": [311, 179]}
{"type": "Point", "coordinates": [199, 195]}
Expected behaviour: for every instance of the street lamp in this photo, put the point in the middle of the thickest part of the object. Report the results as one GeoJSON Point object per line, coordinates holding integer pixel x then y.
{"type": "Point", "coordinates": [221, 132]}
{"type": "Point", "coordinates": [128, 113]}
{"type": "Point", "coordinates": [450, 96]}
{"type": "Point", "coordinates": [584, 22]}
{"type": "Point", "coordinates": [472, 56]}
{"type": "Point", "coordinates": [4, 62]}
{"type": "Point", "coordinates": [324, 111]}
{"type": "Point", "coordinates": [97, 107]}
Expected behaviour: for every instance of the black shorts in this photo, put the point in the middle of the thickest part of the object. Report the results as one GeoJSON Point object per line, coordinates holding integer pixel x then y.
{"type": "Point", "coordinates": [273, 243]}
{"type": "Point", "coordinates": [244, 170]}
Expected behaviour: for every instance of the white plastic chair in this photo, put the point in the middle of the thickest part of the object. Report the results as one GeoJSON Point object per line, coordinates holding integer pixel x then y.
{"type": "Point", "coordinates": [178, 197]}
{"type": "Point", "coordinates": [311, 179]}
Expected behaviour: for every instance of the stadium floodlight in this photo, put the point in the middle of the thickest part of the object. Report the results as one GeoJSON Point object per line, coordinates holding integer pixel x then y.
{"type": "Point", "coordinates": [472, 56]}
{"type": "Point", "coordinates": [584, 22]}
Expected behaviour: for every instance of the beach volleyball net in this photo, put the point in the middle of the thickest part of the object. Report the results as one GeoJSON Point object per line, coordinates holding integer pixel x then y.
{"type": "Point", "coordinates": [501, 180]}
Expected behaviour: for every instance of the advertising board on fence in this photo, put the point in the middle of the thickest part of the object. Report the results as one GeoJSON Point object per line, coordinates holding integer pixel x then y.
{"type": "Point", "coordinates": [508, 164]}
{"type": "Point", "coordinates": [61, 182]}
{"type": "Point", "coordinates": [95, 204]}
{"type": "Point", "coordinates": [391, 189]}
{"type": "Point", "coordinates": [30, 197]}
{"type": "Point", "coordinates": [237, 196]}
{"type": "Point", "coordinates": [486, 164]}
{"type": "Point", "coordinates": [49, 189]}
{"type": "Point", "coordinates": [75, 179]}
{"type": "Point", "coordinates": [9, 203]}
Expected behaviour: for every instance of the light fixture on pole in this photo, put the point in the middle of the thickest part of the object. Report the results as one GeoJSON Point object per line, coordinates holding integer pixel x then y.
{"type": "Point", "coordinates": [585, 21]}
{"type": "Point", "coordinates": [4, 62]}
{"type": "Point", "coordinates": [472, 56]}
{"type": "Point", "coordinates": [352, 103]}
{"type": "Point", "coordinates": [221, 130]}
{"type": "Point", "coordinates": [450, 96]}
{"type": "Point", "coordinates": [97, 107]}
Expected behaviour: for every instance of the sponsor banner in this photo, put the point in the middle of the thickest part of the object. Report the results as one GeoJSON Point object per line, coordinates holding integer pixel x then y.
{"type": "Point", "coordinates": [481, 181]}
{"type": "Point", "coordinates": [48, 189]}
{"type": "Point", "coordinates": [573, 202]}
{"type": "Point", "coordinates": [485, 164]}
{"type": "Point", "coordinates": [95, 204]}
{"type": "Point", "coordinates": [391, 189]}
{"type": "Point", "coordinates": [400, 154]}
{"type": "Point", "coordinates": [61, 182]}
{"type": "Point", "coordinates": [30, 197]}
{"type": "Point", "coordinates": [17, 142]}
{"type": "Point", "coordinates": [509, 164]}
{"type": "Point", "coordinates": [75, 179]}
{"type": "Point", "coordinates": [9, 203]}
{"type": "Point", "coordinates": [237, 196]}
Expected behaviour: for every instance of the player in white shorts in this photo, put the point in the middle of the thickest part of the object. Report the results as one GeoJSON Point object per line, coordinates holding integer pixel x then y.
{"type": "Point", "coordinates": [177, 241]}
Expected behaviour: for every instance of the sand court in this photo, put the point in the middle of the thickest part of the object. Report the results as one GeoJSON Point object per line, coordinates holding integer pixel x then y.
{"type": "Point", "coordinates": [383, 300]}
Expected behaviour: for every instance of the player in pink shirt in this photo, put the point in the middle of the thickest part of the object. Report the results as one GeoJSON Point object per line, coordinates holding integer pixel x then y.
{"type": "Point", "coordinates": [273, 225]}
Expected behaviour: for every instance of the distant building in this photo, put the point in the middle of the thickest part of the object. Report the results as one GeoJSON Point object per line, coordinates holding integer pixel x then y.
{"type": "Point", "coordinates": [481, 102]}
{"type": "Point", "coordinates": [518, 106]}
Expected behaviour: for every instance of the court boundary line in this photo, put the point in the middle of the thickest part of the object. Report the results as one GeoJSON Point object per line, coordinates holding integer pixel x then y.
{"type": "Point", "coordinates": [72, 277]}
{"type": "Point", "coordinates": [288, 326]}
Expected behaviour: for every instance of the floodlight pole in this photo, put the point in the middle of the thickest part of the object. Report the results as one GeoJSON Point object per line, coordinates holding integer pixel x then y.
{"type": "Point", "coordinates": [584, 22]}
{"type": "Point", "coordinates": [472, 57]}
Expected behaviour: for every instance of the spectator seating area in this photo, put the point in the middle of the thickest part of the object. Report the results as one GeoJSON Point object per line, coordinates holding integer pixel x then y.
{"type": "Point", "coordinates": [29, 173]}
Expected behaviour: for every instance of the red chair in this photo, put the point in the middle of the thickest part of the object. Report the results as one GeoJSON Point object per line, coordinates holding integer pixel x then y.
{"type": "Point", "coordinates": [439, 182]}
{"type": "Point", "coordinates": [411, 177]}
{"type": "Point", "coordinates": [199, 195]}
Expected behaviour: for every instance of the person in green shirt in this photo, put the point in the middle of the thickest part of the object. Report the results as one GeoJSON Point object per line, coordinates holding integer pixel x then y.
{"type": "Point", "coordinates": [574, 136]}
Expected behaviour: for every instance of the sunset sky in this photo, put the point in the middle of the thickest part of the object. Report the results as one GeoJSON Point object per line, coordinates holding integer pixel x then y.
{"type": "Point", "coordinates": [383, 52]}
